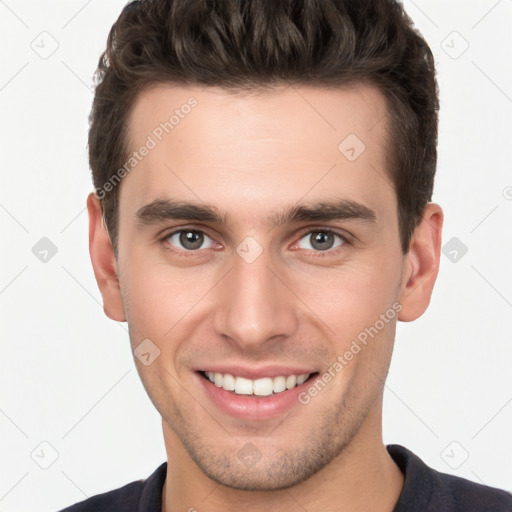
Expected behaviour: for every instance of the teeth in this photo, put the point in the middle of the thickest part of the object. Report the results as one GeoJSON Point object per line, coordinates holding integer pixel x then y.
{"type": "Point", "coordinates": [242, 386]}
{"type": "Point", "coordinates": [263, 387]}
{"type": "Point", "coordinates": [228, 382]}
{"type": "Point", "coordinates": [279, 384]}
{"type": "Point", "coordinates": [291, 381]}
{"type": "Point", "coordinates": [259, 387]}
{"type": "Point", "coordinates": [301, 379]}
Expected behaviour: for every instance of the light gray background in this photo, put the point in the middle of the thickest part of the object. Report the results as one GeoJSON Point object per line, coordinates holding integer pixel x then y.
{"type": "Point", "coordinates": [67, 375]}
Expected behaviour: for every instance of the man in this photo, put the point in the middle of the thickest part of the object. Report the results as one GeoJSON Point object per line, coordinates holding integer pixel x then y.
{"type": "Point", "coordinates": [262, 218]}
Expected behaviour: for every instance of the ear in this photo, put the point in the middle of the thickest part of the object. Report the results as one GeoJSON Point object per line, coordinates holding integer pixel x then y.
{"type": "Point", "coordinates": [104, 262]}
{"type": "Point", "coordinates": [421, 264]}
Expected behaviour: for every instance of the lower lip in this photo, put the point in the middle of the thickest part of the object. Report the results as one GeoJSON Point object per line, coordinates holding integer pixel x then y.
{"type": "Point", "coordinates": [250, 407]}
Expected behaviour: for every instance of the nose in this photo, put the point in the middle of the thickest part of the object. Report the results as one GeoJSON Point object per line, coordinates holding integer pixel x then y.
{"type": "Point", "coordinates": [255, 306]}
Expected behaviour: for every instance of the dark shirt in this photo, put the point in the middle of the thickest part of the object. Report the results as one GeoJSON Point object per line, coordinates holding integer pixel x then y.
{"type": "Point", "coordinates": [425, 490]}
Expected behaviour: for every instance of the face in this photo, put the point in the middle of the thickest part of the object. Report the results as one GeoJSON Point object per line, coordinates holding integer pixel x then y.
{"type": "Point", "coordinates": [258, 243]}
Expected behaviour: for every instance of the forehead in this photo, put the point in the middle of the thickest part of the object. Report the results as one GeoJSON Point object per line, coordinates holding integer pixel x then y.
{"type": "Point", "coordinates": [257, 148]}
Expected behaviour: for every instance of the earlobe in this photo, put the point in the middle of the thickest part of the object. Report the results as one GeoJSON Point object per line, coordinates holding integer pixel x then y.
{"type": "Point", "coordinates": [104, 262]}
{"type": "Point", "coordinates": [421, 264]}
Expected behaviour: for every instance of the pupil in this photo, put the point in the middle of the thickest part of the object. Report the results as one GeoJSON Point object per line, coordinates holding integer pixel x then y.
{"type": "Point", "coordinates": [322, 238]}
{"type": "Point", "coordinates": [191, 239]}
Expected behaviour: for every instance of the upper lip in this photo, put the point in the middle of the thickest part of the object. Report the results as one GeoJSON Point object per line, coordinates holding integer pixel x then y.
{"type": "Point", "coordinates": [254, 373]}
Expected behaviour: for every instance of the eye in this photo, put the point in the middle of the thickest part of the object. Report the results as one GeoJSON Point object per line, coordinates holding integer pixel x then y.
{"type": "Point", "coordinates": [192, 240]}
{"type": "Point", "coordinates": [188, 240]}
{"type": "Point", "coordinates": [321, 240]}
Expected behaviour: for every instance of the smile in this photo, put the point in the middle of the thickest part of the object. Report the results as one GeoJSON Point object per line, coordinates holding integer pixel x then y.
{"type": "Point", "coordinates": [254, 394]}
{"type": "Point", "coordinates": [259, 387]}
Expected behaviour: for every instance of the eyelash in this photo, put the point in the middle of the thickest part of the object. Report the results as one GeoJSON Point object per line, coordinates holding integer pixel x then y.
{"type": "Point", "coordinates": [320, 254]}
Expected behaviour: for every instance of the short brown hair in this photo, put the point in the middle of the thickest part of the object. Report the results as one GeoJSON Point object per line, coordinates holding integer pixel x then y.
{"type": "Point", "coordinates": [256, 44]}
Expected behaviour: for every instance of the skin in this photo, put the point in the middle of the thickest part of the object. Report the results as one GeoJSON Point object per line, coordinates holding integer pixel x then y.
{"type": "Point", "coordinates": [251, 156]}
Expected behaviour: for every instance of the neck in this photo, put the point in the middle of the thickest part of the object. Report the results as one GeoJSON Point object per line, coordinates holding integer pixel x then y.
{"type": "Point", "coordinates": [362, 477]}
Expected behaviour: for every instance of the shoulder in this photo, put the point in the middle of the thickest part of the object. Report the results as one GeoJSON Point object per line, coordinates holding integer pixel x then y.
{"type": "Point", "coordinates": [426, 489]}
{"type": "Point", "coordinates": [139, 495]}
{"type": "Point", "coordinates": [125, 498]}
{"type": "Point", "coordinates": [471, 496]}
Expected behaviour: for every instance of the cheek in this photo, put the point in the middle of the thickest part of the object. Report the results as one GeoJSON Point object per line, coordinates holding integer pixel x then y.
{"type": "Point", "coordinates": [351, 297]}
{"type": "Point", "coordinates": [157, 295]}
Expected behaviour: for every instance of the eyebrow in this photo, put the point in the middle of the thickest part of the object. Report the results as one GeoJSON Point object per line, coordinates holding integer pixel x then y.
{"type": "Point", "coordinates": [161, 210]}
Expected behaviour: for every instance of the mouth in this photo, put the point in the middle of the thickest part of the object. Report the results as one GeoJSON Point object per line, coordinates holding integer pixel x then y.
{"type": "Point", "coordinates": [263, 397]}
{"type": "Point", "coordinates": [265, 386]}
